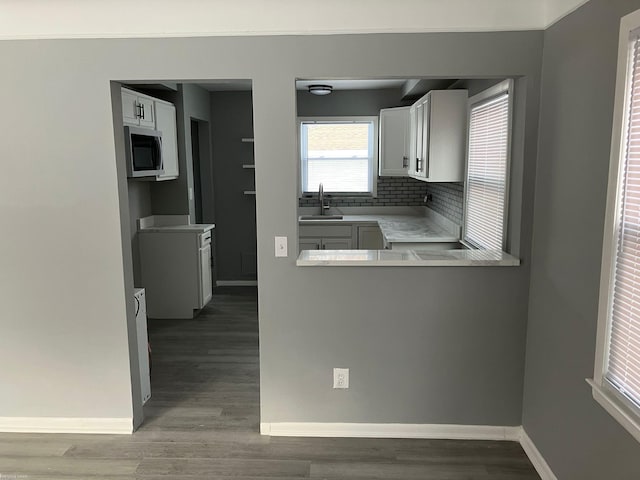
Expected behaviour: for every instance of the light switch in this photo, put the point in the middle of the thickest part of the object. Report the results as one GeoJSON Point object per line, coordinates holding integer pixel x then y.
{"type": "Point", "coordinates": [281, 246]}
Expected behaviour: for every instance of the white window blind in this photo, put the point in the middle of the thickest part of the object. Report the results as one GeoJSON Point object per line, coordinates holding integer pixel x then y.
{"type": "Point", "coordinates": [340, 154]}
{"type": "Point", "coordinates": [623, 362]}
{"type": "Point", "coordinates": [487, 169]}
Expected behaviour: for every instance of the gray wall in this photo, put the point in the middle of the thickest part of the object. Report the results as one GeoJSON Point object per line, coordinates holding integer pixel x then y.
{"type": "Point", "coordinates": [232, 120]}
{"type": "Point", "coordinates": [425, 345]}
{"type": "Point", "coordinates": [575, 435]}
{"type": "Point", "coordinates": [348, 102]}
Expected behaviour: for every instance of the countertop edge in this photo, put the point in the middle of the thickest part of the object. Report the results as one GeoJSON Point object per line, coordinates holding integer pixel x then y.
{"type": "Point", "coordinates": [408, 263]}
{"type": "Point", "coordinates": [408, 258]}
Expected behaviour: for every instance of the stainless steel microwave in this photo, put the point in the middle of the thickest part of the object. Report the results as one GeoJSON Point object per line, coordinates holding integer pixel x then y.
{"type": "Point", "coordinates": [143, 148]}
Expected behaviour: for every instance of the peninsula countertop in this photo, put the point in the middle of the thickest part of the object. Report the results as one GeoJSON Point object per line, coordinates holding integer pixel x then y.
{"type": "Point", "coordinates": [406, 258]}
{"type": "Point", "coordinates": [401, 228]}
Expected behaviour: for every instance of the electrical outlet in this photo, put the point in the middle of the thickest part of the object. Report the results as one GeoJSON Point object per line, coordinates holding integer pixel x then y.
{"type": "Point", "coordinates": [340, 378]}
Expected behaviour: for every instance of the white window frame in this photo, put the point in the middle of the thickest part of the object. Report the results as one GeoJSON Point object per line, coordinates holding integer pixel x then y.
{"type": "Point", "coordinates": [618, 406]}
{"type": "Point", "coordinates": [373, 169]}
{"type": "Point", "coordinates": [505, 86]}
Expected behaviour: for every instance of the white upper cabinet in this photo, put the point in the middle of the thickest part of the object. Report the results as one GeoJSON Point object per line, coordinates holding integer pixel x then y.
{"type": "Point", "coordinates": [394, 142]}
{"type": "Point", "coordinates": [153, 113]}
{"type": "Point", "coordinates": [166, 123]}
{"type": "Point", "coordinates": [137, 109]}
{"type": "Point", "coordinates": [438, 136]}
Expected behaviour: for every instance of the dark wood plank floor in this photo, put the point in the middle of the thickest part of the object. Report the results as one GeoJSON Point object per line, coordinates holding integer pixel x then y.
{"type": "Point", "coordinates": [203, 422]}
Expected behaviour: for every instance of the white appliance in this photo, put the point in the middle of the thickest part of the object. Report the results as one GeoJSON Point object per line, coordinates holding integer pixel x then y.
{"type": "Point", "coordinates": [143, 343]}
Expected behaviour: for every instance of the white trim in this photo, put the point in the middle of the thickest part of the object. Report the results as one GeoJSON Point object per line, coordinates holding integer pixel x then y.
{"type": "Point", "coordinates": [390, 430]}
{"type": "Point", "coordinates": [66, 425]}
{"type": "Point", "coordinates": [617, 407]}
{"type": "Point", "coordinates": [536, 458]}
{"type": "Point", "coordinates": [236, 283]}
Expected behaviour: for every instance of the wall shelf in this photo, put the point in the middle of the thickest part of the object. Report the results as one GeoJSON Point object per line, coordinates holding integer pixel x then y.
{"type": "Point", "coordinates": [247, 140]}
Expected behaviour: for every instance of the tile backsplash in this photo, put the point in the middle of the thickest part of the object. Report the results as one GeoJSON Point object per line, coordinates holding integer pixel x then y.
{"type": "Point", "coordinates": [392, 191]}
{"type": "Point", "coordinates": [446, 199]}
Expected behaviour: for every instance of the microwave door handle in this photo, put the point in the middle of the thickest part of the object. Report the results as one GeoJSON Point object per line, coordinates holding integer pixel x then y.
{"type": "Point", "coordinates": [159, 152]}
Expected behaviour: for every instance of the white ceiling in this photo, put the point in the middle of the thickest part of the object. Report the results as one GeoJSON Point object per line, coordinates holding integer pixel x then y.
{"type": "Point", "coordinates": [173, 18]}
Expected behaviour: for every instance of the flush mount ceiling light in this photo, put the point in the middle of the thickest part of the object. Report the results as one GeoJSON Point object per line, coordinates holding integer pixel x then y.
{"type": "Point", "coordinates": [320, 89]}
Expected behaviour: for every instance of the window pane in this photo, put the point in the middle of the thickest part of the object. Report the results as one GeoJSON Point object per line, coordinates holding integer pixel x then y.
{"type": "Point", "coordinates": [623, 363]}
{"type": "Point", "coordinates": [338, 155]}
{"type": "Point", "coordinates": [486, 181]}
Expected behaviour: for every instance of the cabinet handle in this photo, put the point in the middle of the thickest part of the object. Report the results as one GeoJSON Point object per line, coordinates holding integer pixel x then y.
{"type": "Point", "coordinates": [142, 109]}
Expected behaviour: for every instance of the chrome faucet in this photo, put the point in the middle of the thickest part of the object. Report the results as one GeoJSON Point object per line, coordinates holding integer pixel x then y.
{"type": "Point", "coordinates": [323, 207]}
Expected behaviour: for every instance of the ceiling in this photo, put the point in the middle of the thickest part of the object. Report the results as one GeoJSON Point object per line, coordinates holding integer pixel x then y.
{"type": "Point", "coordinates": [181, 18]}
{"type": "Point", "coordinates": [353, 84]}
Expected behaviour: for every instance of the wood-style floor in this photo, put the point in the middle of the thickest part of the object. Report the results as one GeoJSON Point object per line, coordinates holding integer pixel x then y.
{"type": "Point", "coordinates": [202, 422]}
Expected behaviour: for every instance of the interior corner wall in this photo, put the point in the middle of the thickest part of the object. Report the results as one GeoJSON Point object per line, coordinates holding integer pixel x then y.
{"type": "Point", "coordinates": [575, 435]}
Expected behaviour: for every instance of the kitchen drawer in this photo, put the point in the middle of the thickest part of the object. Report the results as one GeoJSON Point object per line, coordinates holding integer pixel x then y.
{"type": "Point", "coordinates": [325, 231]}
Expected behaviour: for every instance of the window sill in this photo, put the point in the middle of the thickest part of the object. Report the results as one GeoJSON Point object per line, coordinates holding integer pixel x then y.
{"type": "Point", "coordinates": [616, 408]}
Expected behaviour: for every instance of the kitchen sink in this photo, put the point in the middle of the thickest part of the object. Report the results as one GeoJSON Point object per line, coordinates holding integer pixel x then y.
{"type": "Point", "coordinates": [320, 217]}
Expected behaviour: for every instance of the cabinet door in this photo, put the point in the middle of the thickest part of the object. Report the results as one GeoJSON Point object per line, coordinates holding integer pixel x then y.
{"type": "Point", "coordinates": [130, 108]}
{"type": "Point", "coordinates": [394, 141]}
{"type": "Point", "coordinates": [426, 126]}
{"type": "Point", "coordinates": [419, 125]}
{"type": "Point", "coordinates": [370, 238]}
{"type": "Point", "coordinates": [309, 243]}
{"type": "Point", "coordinates": [147, 116]}
{"type": "Point", "coordinates": [166, 123]}
{"type": "Point", "coordinates": [206, 286]}
{"type": "Point", "coordinates": [413, 139]}
{"type": "Point", "coordinates": [337, 244]}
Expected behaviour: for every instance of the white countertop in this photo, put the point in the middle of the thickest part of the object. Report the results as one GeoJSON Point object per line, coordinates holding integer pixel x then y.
{"type": "Point", "coordinates": [406, 258]}
{"type": "Point", "coordinates": [172, 223]}
{"type": "Point", "coordinates": [402, 228]}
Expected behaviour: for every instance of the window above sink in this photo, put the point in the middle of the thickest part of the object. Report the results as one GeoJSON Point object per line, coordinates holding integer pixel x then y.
{"type": "Point", "coordinates": [339, 152]}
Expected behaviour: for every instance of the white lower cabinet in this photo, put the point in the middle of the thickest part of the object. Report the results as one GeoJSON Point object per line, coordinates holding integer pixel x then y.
{"type": "Point", "coordinates": [206, 284]}
{"type": "Point", "coordinates": [175, 268]}
{"type": "Point", "coordinates": [370, 237]}
{"type": "Point", "coordinates": [326, 237]}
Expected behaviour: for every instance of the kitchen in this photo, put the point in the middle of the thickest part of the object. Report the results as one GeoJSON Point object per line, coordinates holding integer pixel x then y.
{"type": "Point", "coordinates": [410, 209]}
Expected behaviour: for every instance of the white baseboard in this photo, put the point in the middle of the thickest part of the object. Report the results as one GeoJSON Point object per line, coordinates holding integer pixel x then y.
{"type": "Point", "coordinates": [391, 430]}
{"type": "Point", "coordinates": [66, 425]}
{"type": "Point", "coordinates": [536, 458]}
{"type": "Point", "coordinates": [236, 283]}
